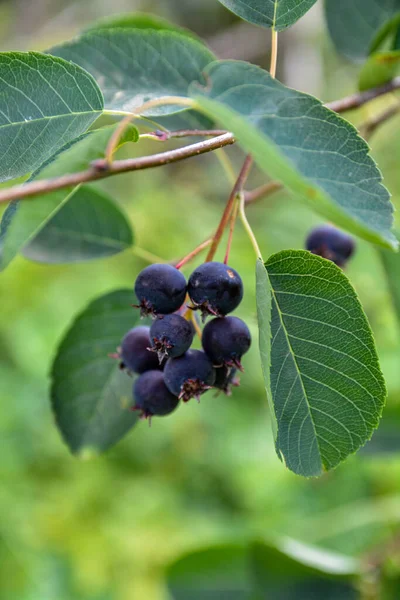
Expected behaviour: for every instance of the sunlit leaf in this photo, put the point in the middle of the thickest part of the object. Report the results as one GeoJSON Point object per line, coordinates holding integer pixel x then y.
{"type": "Point", "coordinates": [278, 14]}
{"type": "Point", "coordinates": [327, 388]}
{"type": "Point", "coordinates": [45, 102]}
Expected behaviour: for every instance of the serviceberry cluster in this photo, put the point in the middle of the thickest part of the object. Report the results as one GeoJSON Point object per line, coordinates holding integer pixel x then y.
{"type": "Point", "coordinates": [168, 369]}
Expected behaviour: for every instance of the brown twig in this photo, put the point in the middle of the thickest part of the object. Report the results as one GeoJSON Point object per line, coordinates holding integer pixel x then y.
{"type": "Point", "coordinates": [361, 98]}
{"type": "Point", "coordinates": [237, 188]}
{"type": "Point", "coordinates": [368, 128]}
{"type": "Point", "coordinates": [100, 170]}
{"type": "Point", "coordinates": [262, 191]}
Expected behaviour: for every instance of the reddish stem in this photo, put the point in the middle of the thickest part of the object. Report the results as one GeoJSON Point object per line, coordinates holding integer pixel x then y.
{"type": "Point", "coordinates": [231, 230]}
{"type": "Point", "coordinates": [193, 254]}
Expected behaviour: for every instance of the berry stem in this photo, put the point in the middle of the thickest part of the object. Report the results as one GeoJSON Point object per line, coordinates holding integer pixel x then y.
{"type": "Point", "coordinates": [195, 324]}
{"type": "Point", "coordinates": [124, 123]}
{"type": "Point", "coordinates": [193, 253]}
{"type": "Point", "coordinates": [274, 53]}
{"type": "Point", "coordinates": [248, 228]}
{"type": "Point", "coordinates": [231, 230]}
{"type": "Point", "coordinates": [237, 189]}
{"type": "Point", "coordinates": [262, 191]}
{"type": "Point", "coordinates": [226, 165]}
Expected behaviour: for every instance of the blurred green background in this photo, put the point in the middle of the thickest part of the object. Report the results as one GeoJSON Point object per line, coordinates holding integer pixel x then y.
{"type": "Point", "coordinates": [106, 529]}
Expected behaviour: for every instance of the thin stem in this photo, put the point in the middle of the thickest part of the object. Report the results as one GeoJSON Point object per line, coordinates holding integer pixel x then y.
{"type": "Point", "coordinates": [195, 323]}
{"type": "Point", "coordinates": [361, 98]}
{"type": "Point", "coordinates": [100, 170]}
{"type": "Point", "coordinates": [123, 113]}
{"type": "Point", "coordinates": [118, 132]}
{"type": "Point", "coordinates": [368, 128]}
{"type": "Point", "coordinates": [237, 188]}
{"type": "Point", "coordinates": [247, 227]}
{"type": "Point", "coordinates": [194, 253]}
{"type": "Point", "coordinates": [147, 256]}
{"type": "Point", "coordinates": [226, 165]}
{"type": "Point", "coordinates": [262, 192]}
{"type": "Point", "coordinates": [231, 230]}
{"type": "Point", "coordinates": [274, 53]}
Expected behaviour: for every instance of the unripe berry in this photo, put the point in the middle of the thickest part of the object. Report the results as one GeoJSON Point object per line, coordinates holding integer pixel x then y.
{"type": "Point", "coordinates": [171, 336]}
{"type": "Point", "coordinates": [190, 375]}
{"type": "Point", "coordinates": [216, 289]}
{"type": "Point", "coordinates": [134, 351]}
{"type": "Point", "coordinates": [225, 341]}
{"type": "Point", "coordinates": [160, 290]}
{"type": "Point", "coordinates": [152, 396]}
{"type": "Point", "coordinates": [331, 243]}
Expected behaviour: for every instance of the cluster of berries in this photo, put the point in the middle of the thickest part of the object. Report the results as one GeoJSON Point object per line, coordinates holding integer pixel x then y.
{"type": "Point", "coordinates": [331, 243]}
{"type": "Point", "coordinates": [169, 370]}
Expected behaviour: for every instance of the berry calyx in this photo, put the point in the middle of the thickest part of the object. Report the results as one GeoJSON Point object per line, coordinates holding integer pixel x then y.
{"type": "Point", "coordinates": [190, 375]}
{"type": "Point", "coordinates": [215, 289]}
{"type": "Point", "coordinates": [134, 351]}
{"type": "Point", "coordinates": [225, 379]}
{"type": "Point", "coordinates": [331, 243]}
{"type": "Point", "coordinates": [160, 290]}
{"type": "Point", "coordinates": [171, 336]}
{"type": "Point", "coordinates": [152, 397]}
{"type": "Point", "coordinates": [225, 341]}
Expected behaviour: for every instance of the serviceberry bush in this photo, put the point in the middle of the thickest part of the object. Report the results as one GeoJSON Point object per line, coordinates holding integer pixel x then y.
{"type": "Point", "coordinates": [322, 375]}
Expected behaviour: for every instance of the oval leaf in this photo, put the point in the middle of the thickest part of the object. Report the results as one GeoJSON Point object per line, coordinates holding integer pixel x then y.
{"type": "Point", "coordinates": [22, 221]}
{"type": "Point", "coordinates": [315, 153]}
{"type": "Point", "coordinates": [137, 20]}
{"type": "Point", "coordinates": [379, 69]}
{"type": "Point", "coordinates": [354, 24]}
{"type": "Point", "coordinates": [89, 226]}
{"type": "Point", "coordinates": [90, 395]}
{"type": "Point", "coordinates": [287, 569]}
{"type": "Point", "coordinates": [278, 14]}
{"type": "Point", "coordinates": [324, 377]}
{"type": "Point", "coordinates": [133, 66]}
{"type": "Point", "coordinates": [44, 103]}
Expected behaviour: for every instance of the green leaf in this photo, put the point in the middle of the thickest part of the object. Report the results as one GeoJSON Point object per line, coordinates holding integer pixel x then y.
{"type": "Point", "coordinates": [22, 221]}
{"type": "Point", "coordinates": [285, 569]}
{"type": "Point", "coordinates": [45, 102]}
{"type": "Point", "coordinates": [90, 394]}
{"type": "Point", "coordinates": [278, 14]}
{"type": "Point", "coordinates": [327, 388]}
{"type": "Point", "coordinates": [354, 24]}
{"type": "Point", "coordinates": [315, 153]}
{"type": "Point", "coordinates": [134, 66]}
{"type": "Point", "coordinates": [391, 265]}
{"type": "Point", "coordinates": [379, 69]}
{"type": "Point", "coordinates": [89, 226]}
{"type": "Point", "coordinates": [137, 20]}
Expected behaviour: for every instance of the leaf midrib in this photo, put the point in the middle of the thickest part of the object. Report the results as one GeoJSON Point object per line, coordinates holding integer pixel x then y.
{"type": "Point", "coordinates": [293, 354]}
{"type": "Point", "coordinates": [50, 118]}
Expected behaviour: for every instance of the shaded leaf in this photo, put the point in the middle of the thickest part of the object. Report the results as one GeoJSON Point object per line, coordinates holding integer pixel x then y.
{"type": "Point", "coordinates": [278, 14]}
{"type": "Point", "coordinates": [327, 388]}
{"type": "Point", "coordinates": [315, 153]}
{"type": "Point", "coordinates": [287, 569]}
{"type": "Point", "coordinates": [90, 395]}
{"type": "Point", "coordinates": [23, 221]}
{"type": "Point", "coordinates": [134, 66]}
{"type": "Point", "coordinates": [137, 20]}
{"type": "Point", "coordinates": [88, 226]}
{"type": "Point", "coordinates": [45, 102]}
{"type": "Point", "coordinates": [379, 69]}
{"type": "Point", "coordinates": [354, 24]}
{"type": "Point", "coordinates": [391, 264]}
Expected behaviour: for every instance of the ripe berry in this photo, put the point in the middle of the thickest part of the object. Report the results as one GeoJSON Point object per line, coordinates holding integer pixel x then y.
{"type": "Point", "coordinates": [225, 341]}
{"type": "Point", "coordinates": [160, 289]}
{"type": "Point", "coordinates": [331, 243]}
{"type": "Point", "coordinates": [215, 288]}
{"type": "Point", "coordinates": [171, 336]}
{"type": "Point", "coordinates": [152, 396]}
{"type": "Point", "coordinates": [225, 378]}
{"type": "Point", "coordinates": [190, 375]}
{"type": "Point", "coordinates": [134, 353]}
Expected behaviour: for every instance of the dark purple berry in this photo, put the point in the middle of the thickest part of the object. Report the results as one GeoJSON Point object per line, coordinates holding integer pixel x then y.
{"type": "Point", "coordinates": [225, 341]}
{"type": "Point", "coordinates": [331, 243]}
{"type": "Point", "coordinates": [134, 351]}
{"type": "Point", "coordinates": [215, 289]}
{"type": "Point", "coordinates": [160, 289]}
{"type": "Point", "coordinates": [225, 378]}
{"type": "Point", "coordinates": [190, 375]}
{"type": "Point", "coordinates": [152, 396]}
{"type": "Point", "coordinates": [171, 336]}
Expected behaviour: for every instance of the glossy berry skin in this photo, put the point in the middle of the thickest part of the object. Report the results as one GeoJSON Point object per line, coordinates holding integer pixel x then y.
{"type": "Point", "coordinates": [160, 289]}
{"type": "Point", "coordinates": [215, 288]}
{"type": "Point", "coordinates": [190, 375]}
{"type": "Point", "coordinates": [331, 243]}
{"type": "Point", "coordinates": [171, 336]}
{"type": "Point", "coordinates": [225, 378]}
{"type": "Point", "coordinates": [225, 341]}
{"type": "Point", "coordinates": [152, 396]}
{"type": "Point", "coordinates": [134, 353]}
